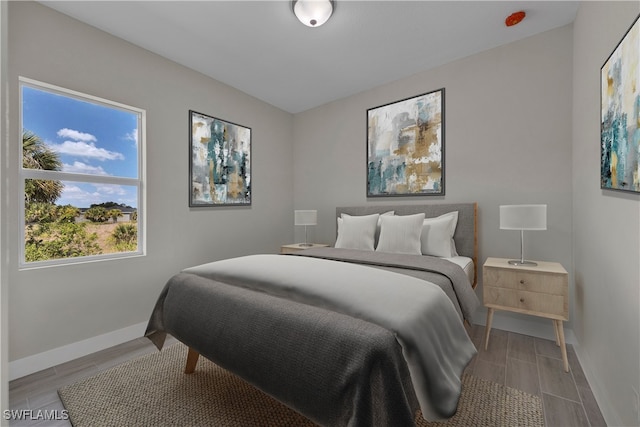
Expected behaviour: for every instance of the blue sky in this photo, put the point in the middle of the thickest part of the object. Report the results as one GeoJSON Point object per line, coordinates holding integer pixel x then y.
{"type": "Point", "coordinates": [89, 138]}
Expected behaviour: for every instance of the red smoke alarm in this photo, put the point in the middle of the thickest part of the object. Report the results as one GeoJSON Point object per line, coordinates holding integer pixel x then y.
{"type": "Point", "coordinates": [514, 18]}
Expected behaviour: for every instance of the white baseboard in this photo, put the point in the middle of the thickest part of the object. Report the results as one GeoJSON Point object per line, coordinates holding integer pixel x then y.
{"type": "Point", "coordinates": [31, 364]}
{"type": "Point", "coordinates": [526, 325]}
{"type": "Point", "coordinates": [602, 397]}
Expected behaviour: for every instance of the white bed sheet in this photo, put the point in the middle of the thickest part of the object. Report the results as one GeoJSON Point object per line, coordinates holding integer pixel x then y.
{"type": "Point", "coordinates": [466, 264]}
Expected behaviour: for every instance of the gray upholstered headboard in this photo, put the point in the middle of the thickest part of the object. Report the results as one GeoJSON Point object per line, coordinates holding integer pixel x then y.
{"type": "Point", "coordinates": [466, 235]}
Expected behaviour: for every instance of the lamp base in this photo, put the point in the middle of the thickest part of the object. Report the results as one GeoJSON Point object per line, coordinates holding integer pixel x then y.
{"type": "Point", "coordinates": [522, 262]}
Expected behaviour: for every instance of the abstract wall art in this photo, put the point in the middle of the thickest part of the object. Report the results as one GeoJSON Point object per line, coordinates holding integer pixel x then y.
{"type": "Point", "coordinates": [405, 147]}
{"type": "Point", "coordinates": [219, 162]}
{"type": "Point", "coordinates": [620, 115]}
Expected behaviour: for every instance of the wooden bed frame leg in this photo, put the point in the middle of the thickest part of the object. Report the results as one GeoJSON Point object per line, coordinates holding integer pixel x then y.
{"type": "Point", "coordinates": [192, 361]}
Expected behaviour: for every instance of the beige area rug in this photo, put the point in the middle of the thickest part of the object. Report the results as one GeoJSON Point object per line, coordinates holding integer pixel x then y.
{"type": "Point", "coordinates": [153, 391]}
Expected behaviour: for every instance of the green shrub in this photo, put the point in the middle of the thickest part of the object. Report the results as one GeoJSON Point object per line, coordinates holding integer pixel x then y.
{"type": "Point", "coordinates": [125, 237]}
{"type": "Point", "coordinates": [52, 240]}
{"type": "Point", "coordinates": [96, 214]}
{"type": "Point", "coordinates": [39, 212]}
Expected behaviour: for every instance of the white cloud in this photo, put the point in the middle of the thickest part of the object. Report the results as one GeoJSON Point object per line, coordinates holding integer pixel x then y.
{"type": "Point", "coordinates": [86, 150]}
{"type": "Point", "coordinates": [132, 136]}
{"type": "Point", "coordinates": [76, 196]}
{"type": "Point", "coordinates": [110, 189]}
{"type": "Point", "coordinates": [76, 135]}
{"type": "Point", "coordinates": [79, 167]}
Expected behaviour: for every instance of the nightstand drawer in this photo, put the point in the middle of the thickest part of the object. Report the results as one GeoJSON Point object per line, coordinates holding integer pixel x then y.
{"type": "Point", "coordinates": [525, 280]}
{"type": "Point", "coordinates": [553, 306]}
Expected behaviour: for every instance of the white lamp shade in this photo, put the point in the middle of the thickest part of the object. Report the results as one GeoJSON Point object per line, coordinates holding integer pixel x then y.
{"type": "Point", "coordinates": [313, 13]}
{"type": "Point", "coordinates": [523, 217]}
{"type": "Point", "coordinates": [305, 217]}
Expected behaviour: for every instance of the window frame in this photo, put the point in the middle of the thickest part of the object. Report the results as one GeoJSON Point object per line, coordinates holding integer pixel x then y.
{"type": "Point", "coordinates": [139, 182]}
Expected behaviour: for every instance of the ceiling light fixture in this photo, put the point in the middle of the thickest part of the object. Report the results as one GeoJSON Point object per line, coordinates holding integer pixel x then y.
{"type": "Point", "coordinates": [514, 18]}
{"type": "Point", "coordinates": [313, 13]}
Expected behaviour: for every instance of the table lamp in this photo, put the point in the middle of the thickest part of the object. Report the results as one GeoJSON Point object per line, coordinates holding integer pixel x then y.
{"type": "Point", "coordinates": [306, 218]}
{"type": "Point", "coordinates": [523, 217]}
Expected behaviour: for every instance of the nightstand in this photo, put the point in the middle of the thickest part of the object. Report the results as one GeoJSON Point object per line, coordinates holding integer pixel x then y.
{"type": "Point", "coordinates": [541, 290]}
{"type": "Point", "coordinates": [295, 247]}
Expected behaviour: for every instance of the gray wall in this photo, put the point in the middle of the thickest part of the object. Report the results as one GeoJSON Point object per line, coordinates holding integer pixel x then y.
{"type": "Point", "coordinates": [606, 227]}
{"type": "Point", "coordinates": [51, 307]}
{"type": "Point", "coordinates": [508, 140]}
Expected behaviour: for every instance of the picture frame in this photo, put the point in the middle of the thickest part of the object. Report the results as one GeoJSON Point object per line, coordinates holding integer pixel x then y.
{"type": "Point", "coordinates": [620, 114]}
{"type": "Point", "coordinates": [405, 147]}
{"type": "Point", "coordinates": [219, 162]}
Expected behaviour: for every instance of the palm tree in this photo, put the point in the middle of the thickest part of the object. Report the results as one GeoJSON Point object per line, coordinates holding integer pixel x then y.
{"type": "Point", "coordinates": [114, 214]}
{"type": "Point", "coordinates": [36, 155]}
{"type": "Point", "coordinates": [125, 237]}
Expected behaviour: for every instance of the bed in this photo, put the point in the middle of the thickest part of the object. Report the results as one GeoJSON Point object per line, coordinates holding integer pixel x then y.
{"type": "Point", "coordinates": [345, 335]}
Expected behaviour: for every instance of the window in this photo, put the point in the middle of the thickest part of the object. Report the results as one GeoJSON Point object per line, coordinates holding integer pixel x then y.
{"type": "Point", "coordinates": [81, 177]}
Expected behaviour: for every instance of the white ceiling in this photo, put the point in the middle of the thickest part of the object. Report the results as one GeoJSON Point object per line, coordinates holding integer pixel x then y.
{"type": "Point", "coordinates": [260, 48]}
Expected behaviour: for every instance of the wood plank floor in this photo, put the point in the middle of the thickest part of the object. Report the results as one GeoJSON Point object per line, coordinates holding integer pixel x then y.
{"type": "Point", "coordinates": [530, 364]}
{"type": "Point", "coordinates": [534, 365]}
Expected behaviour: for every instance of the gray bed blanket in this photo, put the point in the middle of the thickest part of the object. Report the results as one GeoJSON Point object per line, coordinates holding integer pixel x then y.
{"type": "Point", "coordinates": [334, 369]}
{"type": "Point", "coordinates": [449, 276]}
{"type": "Point", "coordinates": [434, 342]}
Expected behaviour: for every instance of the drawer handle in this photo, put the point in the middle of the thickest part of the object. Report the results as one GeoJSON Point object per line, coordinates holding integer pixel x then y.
{"type": "Point", "coordinates": [521, 299]}
{"type": "Point", "coordinates": [522, 282]}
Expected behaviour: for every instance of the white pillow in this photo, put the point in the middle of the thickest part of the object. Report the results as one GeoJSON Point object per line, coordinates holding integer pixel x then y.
{"type": "Point", "coordinates": [401, 234]}
{"type": "Point", "coordinates": [389, 213]}
{"type": "Point", "coordinates": [377, 235]}
{"type": "Point", "coordinates": [357, 232]}
{"type": "Point", "coordinates": [437, 235]}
